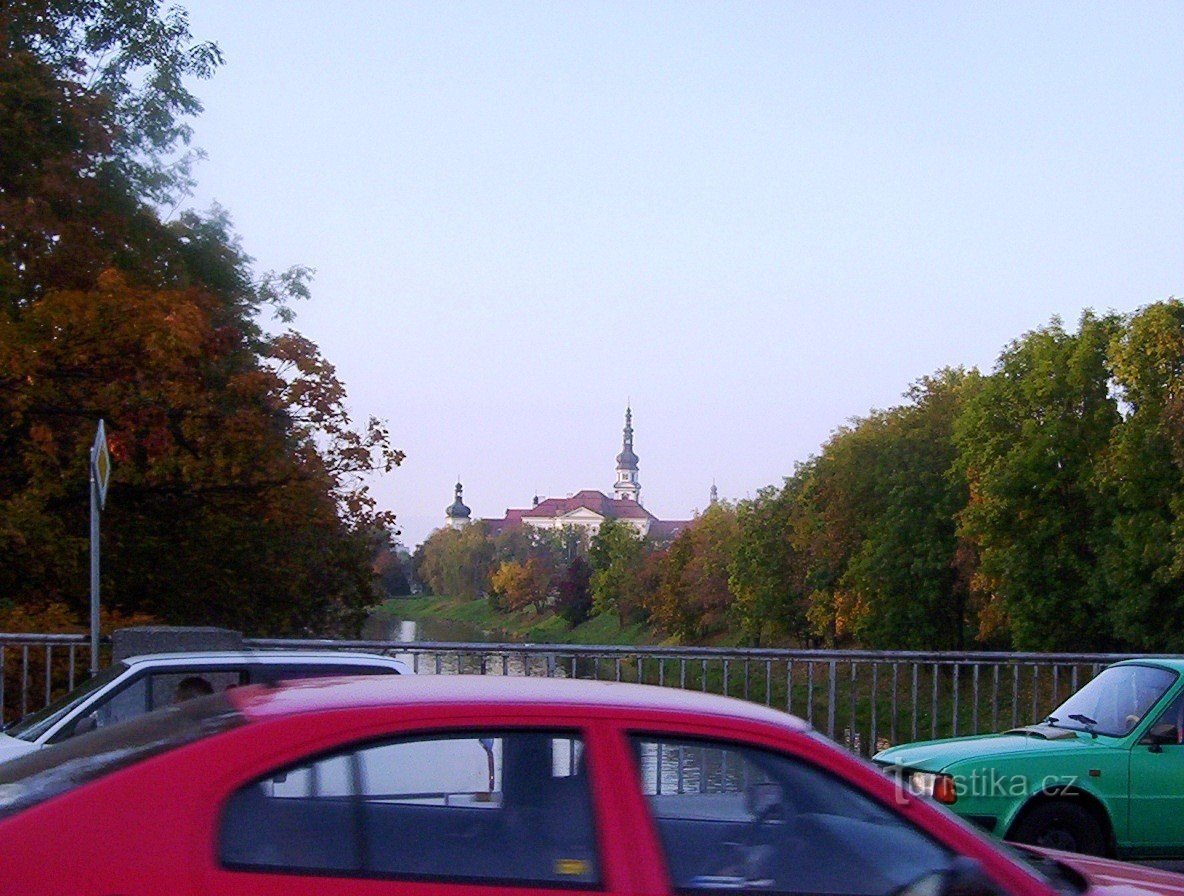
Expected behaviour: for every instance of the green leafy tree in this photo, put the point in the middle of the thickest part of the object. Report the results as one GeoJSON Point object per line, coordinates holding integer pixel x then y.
{"type": "Point", "coordinates": [910, 585]}
{"type": "Point", "coordinates": [457, 562]}
{"type": "Point", "coordinates": [1143, 557]}
{"type": "Point", "coordinates": [617, 558]}
{"type": "Point", "coordinates": [840, 500]}
{"type": "Point", "coordinates": [767, 571]}
{"type": "Point", "coordinates": [1030, 442]}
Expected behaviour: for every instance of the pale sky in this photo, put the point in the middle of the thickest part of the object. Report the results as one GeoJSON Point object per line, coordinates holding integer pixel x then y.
{"type": "Point", "coordinates": [753, 221]}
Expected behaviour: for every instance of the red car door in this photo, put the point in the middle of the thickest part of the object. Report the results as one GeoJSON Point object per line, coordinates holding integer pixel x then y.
{"type": "Point", "coordinates": [458, 805]}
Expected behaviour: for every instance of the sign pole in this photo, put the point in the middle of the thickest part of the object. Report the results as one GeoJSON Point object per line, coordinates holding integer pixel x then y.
{"type": "Point", "coordinates": [100, 475]}
{"type": "Point", "coordinates": [94, 568]}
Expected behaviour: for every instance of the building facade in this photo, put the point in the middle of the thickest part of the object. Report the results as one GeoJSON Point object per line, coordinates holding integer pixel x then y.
{"type": "Point", "coordinates": [589, 508]}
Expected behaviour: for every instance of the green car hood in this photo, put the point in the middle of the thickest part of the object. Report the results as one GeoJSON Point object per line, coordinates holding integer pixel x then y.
{"type": "Point", "coordinates": [937, 755]}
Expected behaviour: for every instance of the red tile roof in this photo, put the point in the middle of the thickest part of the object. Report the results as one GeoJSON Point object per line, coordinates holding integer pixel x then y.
{"type": "Point", "coordinates": [589, 499]}
{"type": "Point", "coordinates": [660, 530]}
{"type": "Point", "coordinates": [597, 502]}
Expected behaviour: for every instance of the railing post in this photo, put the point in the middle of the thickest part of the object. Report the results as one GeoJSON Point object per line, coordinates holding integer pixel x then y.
{"type": "Point", "coordinates": [832, 675]}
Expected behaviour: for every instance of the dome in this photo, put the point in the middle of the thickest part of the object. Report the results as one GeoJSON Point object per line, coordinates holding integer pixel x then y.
{"type": "Point", "coordinates": [627, 459]}
{"type": "Point", "coordinates": [457, 509]}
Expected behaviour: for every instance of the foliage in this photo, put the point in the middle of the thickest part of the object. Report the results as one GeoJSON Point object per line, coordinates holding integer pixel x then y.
{"type": "Point", "coordinates": [248, 465]}
{"type": "Point", "coordinates": [1031, 441]}
{"type": "Point", "coordinates": [93, 109]}
{"type": "Point", "coordinates": [573, 598]}
{"type": "Point", "coordinates": [907, 574]}
{"type": "Point", "coordinates": [456, 562]}
{"type": "Point", "coordinates": [524, 584]}
{"type": "Point", "coordinates": [239, 494]}
{"type": "Point", "coordinates": [693, 600]}
{"type": "Point", "coordinates": [767, 572]}
{"type": "Point", "coordinates": [391, 565]}
{"type": "Point", "coordinates": [1143, 475]}
{"type": "Point", "coordinates": [616, 557]}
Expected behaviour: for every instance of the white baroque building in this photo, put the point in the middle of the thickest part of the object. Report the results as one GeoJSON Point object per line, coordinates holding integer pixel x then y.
{"type": "Point", "coordinates": [586, 509]}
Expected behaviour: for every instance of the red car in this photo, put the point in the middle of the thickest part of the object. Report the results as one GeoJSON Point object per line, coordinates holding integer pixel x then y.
{"type": "Point", "coordinates": [457, 786]}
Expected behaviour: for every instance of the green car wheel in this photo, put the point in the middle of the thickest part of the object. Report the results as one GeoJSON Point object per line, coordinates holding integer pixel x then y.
{"type": "Point", "coordinates": [1061, 824]}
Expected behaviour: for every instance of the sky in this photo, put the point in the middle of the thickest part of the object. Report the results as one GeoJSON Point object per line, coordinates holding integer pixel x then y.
{"type": "Point", "coordinates": [752, 221]}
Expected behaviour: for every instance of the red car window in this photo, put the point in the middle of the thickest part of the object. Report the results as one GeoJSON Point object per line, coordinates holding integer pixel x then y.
{"type": "Point", "coordinates": [483, 806]}
{"type": "Point", "coordinates": [731, 816]}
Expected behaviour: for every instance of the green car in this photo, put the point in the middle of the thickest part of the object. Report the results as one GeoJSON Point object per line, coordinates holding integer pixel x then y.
{"type": "Point", "coordinates": [1102, 774]}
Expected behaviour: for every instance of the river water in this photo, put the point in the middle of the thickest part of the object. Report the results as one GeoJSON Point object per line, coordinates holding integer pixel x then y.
{"type": "Point", "coordinates": [424, 662]}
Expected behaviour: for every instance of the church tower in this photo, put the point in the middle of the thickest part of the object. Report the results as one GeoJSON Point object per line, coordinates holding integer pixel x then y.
{"type": "Point", "coordinates": [457, 514]}
{"type": "Point", "coordinates": [627, 486]}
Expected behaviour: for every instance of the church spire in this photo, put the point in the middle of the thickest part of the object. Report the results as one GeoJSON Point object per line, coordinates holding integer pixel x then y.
{"type": "Point", "coordinates": [627, 486]}
{"type": "Point", "coordinates": [457, 513]}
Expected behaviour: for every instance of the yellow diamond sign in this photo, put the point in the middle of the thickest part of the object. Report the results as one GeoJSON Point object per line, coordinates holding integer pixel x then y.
{"type": "Point", "coordinates": [100, 463]}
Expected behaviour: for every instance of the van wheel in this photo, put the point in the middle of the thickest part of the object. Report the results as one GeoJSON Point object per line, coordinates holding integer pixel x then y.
{"type": "Point", "coordinates": [1061, 824]}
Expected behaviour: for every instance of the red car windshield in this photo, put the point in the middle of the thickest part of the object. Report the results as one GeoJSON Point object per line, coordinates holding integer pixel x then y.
{"type": "Point", "coordinates": [36, 777]}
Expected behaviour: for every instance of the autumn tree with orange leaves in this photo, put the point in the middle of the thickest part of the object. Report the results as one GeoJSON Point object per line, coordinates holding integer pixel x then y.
{"type": "Point", "coordinates": [239, 493]}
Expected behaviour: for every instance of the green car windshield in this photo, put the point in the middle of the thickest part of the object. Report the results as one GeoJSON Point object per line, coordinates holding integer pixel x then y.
{"type": "Point", "coordinates": [1115, 701]}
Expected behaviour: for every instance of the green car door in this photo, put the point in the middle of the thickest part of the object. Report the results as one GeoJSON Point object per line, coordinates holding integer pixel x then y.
{"type": "Point", "coordinates": [1156, 825]}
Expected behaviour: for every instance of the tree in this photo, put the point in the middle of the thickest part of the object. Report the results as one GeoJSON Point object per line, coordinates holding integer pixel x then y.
{"type": "Point", "coordinates": [456, 562]}
{"type": "Point", "coordinates": [1030, 442]}
{"type": "Point", "coordinates": [93, 111]}
{"type": "Point", "coordinates": [238, 470]}
{"type": "Point", "coordinates": [1143, 474]}
{"type": "Point", "coordinates": [392, 566]}
{"type": "Point", "coordinates": [907, 573]}
{"type": "Point", "coordinates": [229, 476]}
{"type": "Point", "coordinates": [767, 572]}
{"type": "Point", "coordinates": [840, 498]}
{"type": "Point", "coordinates": [692, 599]}
{"type": "Point", "coordinates": [519, 585]}
{"type": "Point", "coordinates": [573, 599]}
{"type": "Point", "coordinates": [616, 556]}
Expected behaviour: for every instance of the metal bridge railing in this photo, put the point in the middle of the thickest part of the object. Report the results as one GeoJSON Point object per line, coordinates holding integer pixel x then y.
{"type": "Point", "coordinates": [38, 668]}
{"type": "Point", "coordinates": [867, 700]}
{"type": "Point", "coordinates": [864, 699]}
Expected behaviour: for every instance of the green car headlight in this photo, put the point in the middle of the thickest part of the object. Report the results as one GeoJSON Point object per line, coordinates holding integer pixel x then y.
{"type": "Point", "coordinates": [935, 786]}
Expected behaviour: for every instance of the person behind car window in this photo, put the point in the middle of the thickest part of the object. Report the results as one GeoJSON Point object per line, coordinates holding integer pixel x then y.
{"type": "Point", "coordinates": [193, 686]}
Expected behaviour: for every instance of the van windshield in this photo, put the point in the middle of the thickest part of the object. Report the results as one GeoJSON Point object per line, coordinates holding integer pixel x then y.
{"type": "Point", "coordinates": [35, 724]}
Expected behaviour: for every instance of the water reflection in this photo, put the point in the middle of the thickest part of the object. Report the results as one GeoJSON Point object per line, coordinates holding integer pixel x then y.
{"type": "Point", "coordinates": [689, 768]}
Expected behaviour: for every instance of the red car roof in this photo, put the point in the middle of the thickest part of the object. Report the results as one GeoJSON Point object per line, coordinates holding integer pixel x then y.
{"type": "Point", "coordinates": [420, 690]}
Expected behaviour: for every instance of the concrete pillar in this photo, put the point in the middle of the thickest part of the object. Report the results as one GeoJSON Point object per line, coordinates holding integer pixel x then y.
{"type": "Point", "coordinates": [127, 642]}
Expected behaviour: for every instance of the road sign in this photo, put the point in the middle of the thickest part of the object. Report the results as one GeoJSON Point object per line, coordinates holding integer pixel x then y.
{"type": "Point", "coordinates": [100, 463]}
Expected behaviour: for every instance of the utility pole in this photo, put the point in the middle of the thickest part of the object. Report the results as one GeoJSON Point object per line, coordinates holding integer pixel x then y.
{"type": "Point", "coordinates": [100, 475]}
